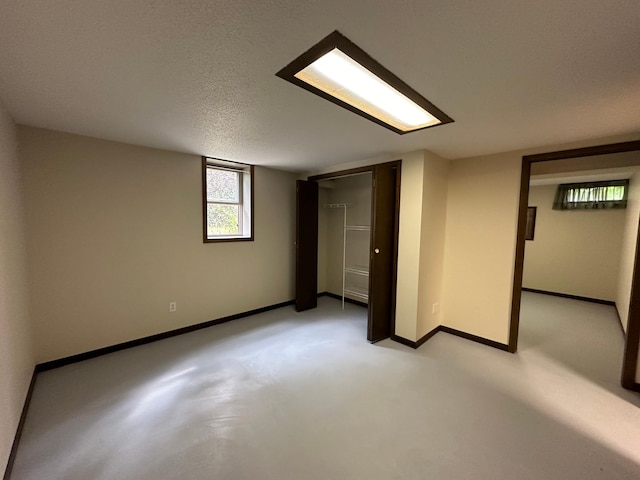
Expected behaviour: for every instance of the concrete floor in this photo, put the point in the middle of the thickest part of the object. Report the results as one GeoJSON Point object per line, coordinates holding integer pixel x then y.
{"type": "Point", "coordinates": [303, 396]}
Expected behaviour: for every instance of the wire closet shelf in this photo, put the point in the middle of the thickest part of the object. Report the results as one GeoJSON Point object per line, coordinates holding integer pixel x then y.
{"type": "Point", "coordinates": [360, 270]}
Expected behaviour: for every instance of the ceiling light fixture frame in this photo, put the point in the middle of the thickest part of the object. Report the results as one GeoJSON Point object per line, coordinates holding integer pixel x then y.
{"type": "Point", "coordinates": [337, 40]}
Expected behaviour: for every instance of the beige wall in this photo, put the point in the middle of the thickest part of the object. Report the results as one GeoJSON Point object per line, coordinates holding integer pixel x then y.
{"type": "Point", "coordinates": [407, 292]}
{"type": "Point", "coordinates": [481, 230]}
{"type": "Point", "coordinates": [628, 250]}
{"type": "Point", "coordinates": [432, 242]}
{"type": "Point", "coordinates": [576, 252]}
{"type": "Point", "coordinates": [482, 213]}
{"type": "Point", "coordinates": [115, 234]}
{"type": "Point", "coordinates": [480, 237]}
{"type": "Point", "coordinates": [16, 354]}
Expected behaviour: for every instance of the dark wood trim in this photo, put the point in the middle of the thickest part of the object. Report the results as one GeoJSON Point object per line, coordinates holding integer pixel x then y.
{"type": "Point", "coordinates": [519, 260]}
{"type": "Point", "coordinates": [475, 338]}
{"type": "Point", "coordinates": [339, 41]}
{"type": "Point", "coordinates": [61, 362]}
{"type": "Point", "coordinates": [632, 344]}
{"type": "Point", "coordinates": [205, 239]}
{"type": "Point", "coordinates": [624, 334]}
{"type": "Point", "coordinates": [451, 331]}
{"type": "Point", "coordinates": [306, 245]}
{"type": "Point", "coordinates": [421, 341]}
{"type": "Point", "coordinates": [572, 297]}
{"type": "Point", "coordinates": [346, 299]}
{"type": "Point", "coordinates": [396, 236]}
{"type": "Point", "coordinates": [427, 336]}
{"type": "Point", "coordinates": [203, 175]}
{"type": "Point", "coordinates": [23, 417]}
{"type": "Point", "coordinates": [341, 173]}
{"type": "Point", "coordinates": [383, 233]}
{"type": "Point", "coordinates": [632, 341]}
{"type": "Point", "coordinates": [585, 152]}
{"type": "Point", "coordinates": [223, 240]}
{"type": "Point", "coordinates": [404, 341]}
{"type": "Point", "coordinates": [252, 172]}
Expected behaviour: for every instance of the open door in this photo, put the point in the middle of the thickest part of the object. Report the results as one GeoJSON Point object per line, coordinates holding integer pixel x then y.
{"type": "Point", "coordinates": [384, 253]}
{"type": "Point", "coordinates": [306, 245]}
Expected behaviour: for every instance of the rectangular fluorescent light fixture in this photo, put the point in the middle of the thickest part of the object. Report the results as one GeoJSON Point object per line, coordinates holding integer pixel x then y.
{"type": "Point", "coordinates": [339, 71]}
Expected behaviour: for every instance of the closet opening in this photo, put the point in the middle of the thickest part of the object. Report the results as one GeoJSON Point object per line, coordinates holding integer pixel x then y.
{"type": "Point", "coordinates": [344, 238]}
{"type": "Point", "coordinates": [347, 242]}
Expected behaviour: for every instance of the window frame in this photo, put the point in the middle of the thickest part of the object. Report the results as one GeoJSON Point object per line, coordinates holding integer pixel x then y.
{"type": "Point", "coordinates": [560, 203]}
{"type": "Point", "coordinates": [242, 169]}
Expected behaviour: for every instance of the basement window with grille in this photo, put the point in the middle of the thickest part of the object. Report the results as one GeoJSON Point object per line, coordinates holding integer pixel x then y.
{"type": "Point", "coordinates": [227, 200]}
{"type": "Point", "coordinates": [591, 195]}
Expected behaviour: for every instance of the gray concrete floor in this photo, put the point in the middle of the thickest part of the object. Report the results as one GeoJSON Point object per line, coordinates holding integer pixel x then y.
{"type": "Point", "coordinates": [303, 396]}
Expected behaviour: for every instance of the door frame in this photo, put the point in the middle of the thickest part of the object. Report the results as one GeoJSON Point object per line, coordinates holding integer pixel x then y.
{"type": "Point", "coordinates": [396, 227]}
{"type": "Point", "coordinates": [632, 338]}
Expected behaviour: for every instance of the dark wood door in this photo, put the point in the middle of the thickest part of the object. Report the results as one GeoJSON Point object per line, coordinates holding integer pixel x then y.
{"type": "Point", "coordinates": [306, 245]}
{"type": "Point", "coordinates": [383, 255]}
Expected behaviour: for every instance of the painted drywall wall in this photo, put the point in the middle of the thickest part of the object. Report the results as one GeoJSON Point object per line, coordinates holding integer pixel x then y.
{"type": "Point", "coordinates": [483, 195]}
{"type": "Point", "coordinates": [115, 234]}
{"type": "Point", "coordinates": [482, 213]}
{"type": "Point", "coordinates": [355, 191]}
{"type": "Point", "coordinates": [16, 353]}
{"type": "Point", "coordinates": [576, 252]}
{"type": "Point", "coordinates": [410, 228]}
{"type": "Point", "coordinates": [480, 236]}
{"type": "Point", "coordinates": [628, 250]}
{"type": "Point", "coordinates": [621, 160]}
{"type": "Point", "coordinates": [432, 242]}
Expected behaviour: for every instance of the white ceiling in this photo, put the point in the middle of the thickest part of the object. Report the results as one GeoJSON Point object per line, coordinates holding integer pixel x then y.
{"type": "Point", "coordinates": [199, 76]}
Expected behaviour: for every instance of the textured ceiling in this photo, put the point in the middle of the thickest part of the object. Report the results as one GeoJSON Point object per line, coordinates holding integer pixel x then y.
{"type": "Point", "coordinates": [199, 76]}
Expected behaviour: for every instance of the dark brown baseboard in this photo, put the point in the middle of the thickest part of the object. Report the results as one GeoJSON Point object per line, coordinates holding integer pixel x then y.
{"type": "Point", "coordinates": [42, 367]}
{"type": "Point", "coordinates": [419, 342]}
{"type": "Point", "coordinates": [23, 416]}
{"type": "Point", "coordinates": [624, 334]}
{"type": "Point", "coordinates": [451, 331]}
{"type": "Point", "coordinates": [428, 335]}
{"type": "Point", "coordinates": [475, 338]}
{"type": "Point", "coordinates": [346, 299]}
{"type": "Point", "coordinates": [572, 297]}
{"type": "Point", "coordinates": [404, 341]}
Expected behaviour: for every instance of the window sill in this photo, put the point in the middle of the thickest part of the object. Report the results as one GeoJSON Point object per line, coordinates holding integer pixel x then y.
{"type": "Point", "coordinates": [228, 239]}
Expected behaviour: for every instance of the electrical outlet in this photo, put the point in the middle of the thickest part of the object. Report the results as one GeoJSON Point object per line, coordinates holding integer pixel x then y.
{"type": "Point", "coordinates": [173, 306]}
{"type": "Point", "coordinates": [435, 308]}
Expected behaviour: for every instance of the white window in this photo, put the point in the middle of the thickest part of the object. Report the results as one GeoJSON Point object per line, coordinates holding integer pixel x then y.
{"type": "Point", "coordinates": [591, 195]}
{"type": "Point", "coordinates": [227, 200]}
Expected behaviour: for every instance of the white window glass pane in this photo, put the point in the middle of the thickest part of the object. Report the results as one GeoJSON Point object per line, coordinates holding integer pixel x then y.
{"type": "Point", "coordinates": [596, 194]}
{"type": "Point", "coordinates": [223, 220]}
{"type": "Point", "coordinates": [223, 186]}
{"type": "Point", "coordinates": [615, 193]}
